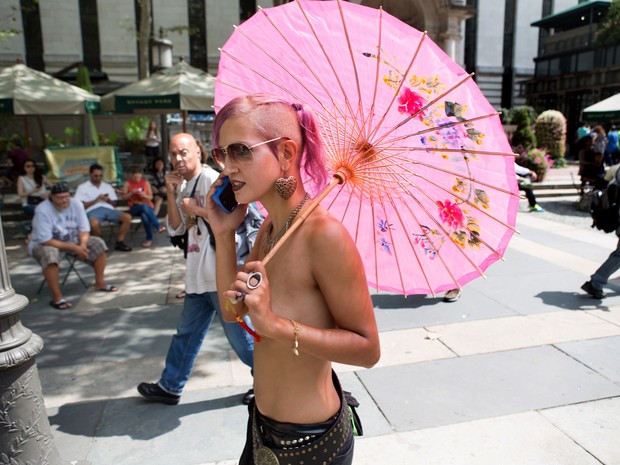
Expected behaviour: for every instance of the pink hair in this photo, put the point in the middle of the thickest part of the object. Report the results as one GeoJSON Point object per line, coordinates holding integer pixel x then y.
{"type": "Point", "coordinates": [271, 113]}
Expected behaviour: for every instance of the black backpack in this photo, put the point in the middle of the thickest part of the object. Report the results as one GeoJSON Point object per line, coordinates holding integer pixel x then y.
{"type": "Point", "coordinates": [604, 207]}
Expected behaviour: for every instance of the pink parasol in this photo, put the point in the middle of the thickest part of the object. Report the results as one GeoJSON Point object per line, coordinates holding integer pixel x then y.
{"type": "Point", "coordinates": [423, 173]}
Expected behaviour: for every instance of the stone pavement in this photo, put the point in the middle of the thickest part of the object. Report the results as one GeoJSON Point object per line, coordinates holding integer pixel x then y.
{"type": "Point", "coordinates": [523, 369]}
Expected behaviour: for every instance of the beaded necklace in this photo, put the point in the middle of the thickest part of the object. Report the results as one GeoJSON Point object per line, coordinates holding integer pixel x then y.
{"type": "Point", "coordinates": [270, 242]}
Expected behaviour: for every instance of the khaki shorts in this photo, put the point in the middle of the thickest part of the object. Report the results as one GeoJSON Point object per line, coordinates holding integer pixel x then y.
{"type": "Point", "coordinates": [47, 255]}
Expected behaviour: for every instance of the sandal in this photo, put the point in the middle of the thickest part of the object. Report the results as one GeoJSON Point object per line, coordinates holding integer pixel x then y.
{"type": "Point", "coordinates": [108, 288]}
{"type": "Point", "coordinates": [62, 304]}
{"type": "Point", "coordinates": [161, 229]}
{"type": "Point", "coordinates": [180, 295]}
{"type": "Point", "coordinates": [147, 243]}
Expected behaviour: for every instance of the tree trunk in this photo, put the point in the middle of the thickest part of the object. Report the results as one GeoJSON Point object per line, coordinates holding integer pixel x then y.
{"type": "Point", "coordinates": [144, 35]}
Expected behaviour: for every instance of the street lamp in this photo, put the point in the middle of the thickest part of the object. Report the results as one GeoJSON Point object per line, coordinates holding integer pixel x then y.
{"type": "Point", "coordinates": [25, 435]}
{"type": "Point", "coordinates": [160, 52]}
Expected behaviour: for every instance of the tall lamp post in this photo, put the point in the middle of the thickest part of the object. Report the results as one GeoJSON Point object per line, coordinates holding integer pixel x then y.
{"type": "Point", "coordinates": [25, 435]}
{"type": "Point", "coordinates": [160, 52]}
{"type": "Point", "coordinates": [161, 58]}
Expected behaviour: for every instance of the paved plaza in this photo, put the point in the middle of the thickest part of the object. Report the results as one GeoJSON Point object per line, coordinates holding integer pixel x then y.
{"type": "Point", "coordinates": [523, 370]}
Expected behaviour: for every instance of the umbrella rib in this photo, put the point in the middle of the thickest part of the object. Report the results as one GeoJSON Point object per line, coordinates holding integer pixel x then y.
{"type": "Point", "coordinates": [461, 251]}
{"type": "Point", "coordinates": [405, 161]}
{"type": "Point", "coordinates": [439, 149]}
{"type": "Point", "coordinates": [414, 248]}
{"type": "Point", "coordinates": [432, 102]}
{"type": "Point", "coordinates": [348, 40]}
{"type": "Point", "coordinates": [423, 191]}
{"type": "Point", "coordinates": [468, 202]}
{"type": "Point", "coordinates": [445, 232]}
{"type": "Point", "coordinates": [396, 256]}
{"type": "Point", "coordinates": [299, 81]}
{"type": "Point", "coordinates": [469, 178]}
{"type": "Point", "coordinates": [255, 71]}
{"type": "Point", "coordinates": [331, 65]}
{"type": "Point", "coordinates": [377, 70]}
{"type": "Point", "coordinates": [400, 86]}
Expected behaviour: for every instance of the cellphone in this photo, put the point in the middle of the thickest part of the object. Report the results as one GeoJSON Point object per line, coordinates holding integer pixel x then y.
{"type": "Point", "coordinates": [224, 196]}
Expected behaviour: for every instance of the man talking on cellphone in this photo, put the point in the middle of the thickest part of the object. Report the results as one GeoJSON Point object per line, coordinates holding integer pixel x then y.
{"type": "Point", "coordinates": [186, 213]}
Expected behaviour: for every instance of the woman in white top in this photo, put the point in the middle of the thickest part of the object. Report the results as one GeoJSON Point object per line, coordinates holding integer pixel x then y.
{"type": "Point", "coordinates": [32, 187]}
{"type": "Point", "coordinates": [152, 140]}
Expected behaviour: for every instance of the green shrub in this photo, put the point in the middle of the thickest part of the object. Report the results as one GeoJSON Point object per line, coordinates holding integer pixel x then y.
{"type": "Point", "coordinates": [523, 135]}
{"type": "Point", "coordinates": [551, 133]}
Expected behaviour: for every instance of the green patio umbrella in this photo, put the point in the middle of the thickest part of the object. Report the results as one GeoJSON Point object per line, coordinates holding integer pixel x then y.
{"type": "Point", "coordinates": [605, 111]}
{"type": "Point", "coordinates": [25, 91]}
{"type": "Point", "coordinates": [180, 88]}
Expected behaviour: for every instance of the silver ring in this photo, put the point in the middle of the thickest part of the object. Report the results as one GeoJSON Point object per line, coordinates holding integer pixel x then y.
{"type": "Point", "coordinates": [257, 277]}
{"type": "Point", "coordinates": [239, 297]}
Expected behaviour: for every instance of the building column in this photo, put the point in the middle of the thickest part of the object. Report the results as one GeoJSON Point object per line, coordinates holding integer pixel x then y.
{"type": "Point", "coordinates": [453, 28]}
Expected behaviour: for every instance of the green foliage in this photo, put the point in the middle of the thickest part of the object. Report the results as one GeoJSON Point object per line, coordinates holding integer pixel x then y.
{"type": "Point", "coordinates": [551, 133]}
{"type": "Point", "coordinates": [523, 135]}
{"type": "Point", "coordinates": [609, 32]}
{"type": "Point", "coordinates": [112, 139]}
{"type": "Point", "coordinates": [537, 160]}
{"type": "Point", "coordinates": [506, 115]}
{"type": "Point", "coordinates": [136, 128]}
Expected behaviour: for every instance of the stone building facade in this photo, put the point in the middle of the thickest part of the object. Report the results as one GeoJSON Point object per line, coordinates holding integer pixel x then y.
{"type": "Point", "coordinates": [492, 38]}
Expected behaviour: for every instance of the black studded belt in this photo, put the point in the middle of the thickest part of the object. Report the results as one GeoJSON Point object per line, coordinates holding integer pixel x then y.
{"type": "Point", "coordinates": [278, 443]}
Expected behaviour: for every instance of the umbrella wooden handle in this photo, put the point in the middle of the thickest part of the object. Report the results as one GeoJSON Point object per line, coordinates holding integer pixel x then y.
{"type": "Point", "coordinates": [337, 179]}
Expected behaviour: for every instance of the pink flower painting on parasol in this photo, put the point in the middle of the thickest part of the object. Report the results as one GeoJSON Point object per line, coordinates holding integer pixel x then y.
{"type": "Point", "coordinates": [423, 173]}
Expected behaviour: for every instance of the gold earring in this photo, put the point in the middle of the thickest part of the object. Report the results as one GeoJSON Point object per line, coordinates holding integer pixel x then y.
{"type": "Point", "coordinates": [285, 187]}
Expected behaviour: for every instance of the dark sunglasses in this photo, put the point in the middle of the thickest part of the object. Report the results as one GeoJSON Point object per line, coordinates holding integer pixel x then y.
{"type": "Point", "coordinates": [237, 152]}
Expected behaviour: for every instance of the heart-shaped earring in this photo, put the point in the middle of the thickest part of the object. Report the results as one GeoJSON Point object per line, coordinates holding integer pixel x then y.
{"type": "Point", "coordinates": [285, 187]}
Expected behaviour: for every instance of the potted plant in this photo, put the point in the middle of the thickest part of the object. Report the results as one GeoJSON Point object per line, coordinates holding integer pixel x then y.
{"type": "Point", "coordinates": [539, 161]}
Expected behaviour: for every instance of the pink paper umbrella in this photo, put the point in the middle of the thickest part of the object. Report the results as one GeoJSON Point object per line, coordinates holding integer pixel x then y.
{"type": "Point", "coordinates": [423, 173]}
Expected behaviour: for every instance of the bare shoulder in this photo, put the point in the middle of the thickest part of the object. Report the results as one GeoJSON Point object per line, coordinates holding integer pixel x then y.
{"type": "Point", "coordinates": [329, 241]}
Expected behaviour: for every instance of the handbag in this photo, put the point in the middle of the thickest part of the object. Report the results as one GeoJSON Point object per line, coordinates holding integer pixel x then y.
{"type": "Point", "coordinates": [34, 200]}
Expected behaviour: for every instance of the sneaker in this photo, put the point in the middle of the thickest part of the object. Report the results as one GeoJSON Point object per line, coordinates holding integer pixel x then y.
{"type": "Point", "coordinates": [122, 247]}
{"type": "Point", "coordinates": [594, 292]}
{"type": "Point", "coordinates": [152, 391]}
{"type": "Point", "coordinates": [247, 398]}
{"type": "Point", "coordinates": [537, 208]}
{"type": "Point", "coordinates": [452, 295]}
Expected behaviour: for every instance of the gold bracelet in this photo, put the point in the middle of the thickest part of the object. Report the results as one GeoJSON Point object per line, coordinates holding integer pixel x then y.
{"type": "Point", "coordinates": [296, 331]}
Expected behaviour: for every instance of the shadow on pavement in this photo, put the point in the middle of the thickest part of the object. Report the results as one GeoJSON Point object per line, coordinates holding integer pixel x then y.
{"type": "Point", "coordinates": [573, 300]}
{"type": "Point", "coordinates": [131, 417]}
{"type": "Point", "coordinates": [393, 301]}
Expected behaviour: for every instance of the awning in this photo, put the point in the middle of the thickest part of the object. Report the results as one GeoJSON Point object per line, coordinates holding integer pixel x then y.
{"type": "Point", "coordinates": [604, 111]}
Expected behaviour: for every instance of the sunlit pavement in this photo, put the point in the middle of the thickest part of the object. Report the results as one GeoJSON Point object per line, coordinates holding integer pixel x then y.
{"type": "Point", "coordinates": [523, 369]}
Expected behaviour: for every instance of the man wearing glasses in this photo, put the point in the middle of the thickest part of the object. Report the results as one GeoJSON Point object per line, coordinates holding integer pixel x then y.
{"type": "Point", "coordinates": [99, 199]}
{"type": "Point", "coordinates": [60, 227]}
{"type": "Point", "coordinates": [186, 213]}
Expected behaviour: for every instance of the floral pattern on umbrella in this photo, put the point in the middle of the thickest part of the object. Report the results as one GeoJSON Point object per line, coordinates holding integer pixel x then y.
{"type": "Point", "coordinates": [424, 175]}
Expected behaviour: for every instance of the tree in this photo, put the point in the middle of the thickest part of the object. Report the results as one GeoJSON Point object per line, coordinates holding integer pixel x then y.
{"type": "Point", "coordinates": [144, 35]}
{"type": "Point", "coordinates": [609, 32]}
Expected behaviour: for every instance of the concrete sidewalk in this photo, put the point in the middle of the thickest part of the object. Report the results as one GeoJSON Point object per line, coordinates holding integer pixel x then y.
{"type": "Point", "coordinates": [523, 369]}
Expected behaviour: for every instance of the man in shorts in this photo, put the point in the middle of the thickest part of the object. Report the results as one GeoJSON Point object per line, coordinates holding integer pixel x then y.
{"type": "Point", "coordinates": [99, 199]}
{"type": "Point", "coordinates": [60, 227]}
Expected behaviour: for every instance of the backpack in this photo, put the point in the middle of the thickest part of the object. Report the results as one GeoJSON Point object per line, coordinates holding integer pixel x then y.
{"type": "Point", "coordinates": [604, 207]}
{"type": "Point", "coordinates": [247, 232]}
{"type": "Point", "coordinates": [245, 235]}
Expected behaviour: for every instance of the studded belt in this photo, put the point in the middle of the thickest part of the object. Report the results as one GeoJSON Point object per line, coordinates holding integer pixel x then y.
{"type": "Point", "coordinates": [304, 444]}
